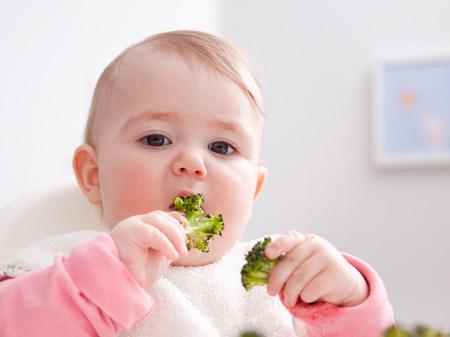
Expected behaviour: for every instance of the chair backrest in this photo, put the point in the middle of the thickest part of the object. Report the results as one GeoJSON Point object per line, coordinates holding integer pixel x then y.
{"type": "Point", "coordinates": [56, 209]}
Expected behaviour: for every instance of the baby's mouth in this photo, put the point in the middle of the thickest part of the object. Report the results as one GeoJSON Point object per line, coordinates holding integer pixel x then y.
{"type": "Point", "coordinates": [180, 194]}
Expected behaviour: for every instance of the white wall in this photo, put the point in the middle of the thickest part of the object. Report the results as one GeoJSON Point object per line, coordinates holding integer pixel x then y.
{"type": "Point", "coordinates": [314, 58]}
{"type": "Point", "coordinates": [51, 56]}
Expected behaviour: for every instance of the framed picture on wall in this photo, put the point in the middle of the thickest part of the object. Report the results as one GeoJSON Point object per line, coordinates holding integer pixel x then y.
{"type": "Point", "coordinates": [411, 124]}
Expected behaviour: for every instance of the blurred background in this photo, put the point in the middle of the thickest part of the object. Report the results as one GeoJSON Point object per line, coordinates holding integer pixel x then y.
{"type": "Point", "coordinates": [315, 62]}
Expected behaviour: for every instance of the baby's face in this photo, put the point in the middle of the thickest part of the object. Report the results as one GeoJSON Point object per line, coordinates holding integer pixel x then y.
{"type": "Point", "coordinates": [178, 129]}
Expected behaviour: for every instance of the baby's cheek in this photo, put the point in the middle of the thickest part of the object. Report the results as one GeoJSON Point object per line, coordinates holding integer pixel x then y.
{"type": "Point", "coordinates": [132, 192]}
{"type": "Point", "coordinates": [237, 211]}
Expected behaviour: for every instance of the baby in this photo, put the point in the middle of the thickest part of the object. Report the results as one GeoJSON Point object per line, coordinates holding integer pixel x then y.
{"type": "Point", "coordinates": [177, 114]}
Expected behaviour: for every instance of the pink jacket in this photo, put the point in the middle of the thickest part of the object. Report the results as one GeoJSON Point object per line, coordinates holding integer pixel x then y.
{"type": "Point", "coordinates": [84, 296]}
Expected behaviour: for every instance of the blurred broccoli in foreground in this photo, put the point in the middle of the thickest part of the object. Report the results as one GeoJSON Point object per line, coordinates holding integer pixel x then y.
{"type": "Point", "coordinates": [250, 334]}
{"type": "Point", "coordinates": [419, 331]}
{"type": "Point", "coordinates": [203, 227]}
{"type": "Point", "coordinates": [258, 267]}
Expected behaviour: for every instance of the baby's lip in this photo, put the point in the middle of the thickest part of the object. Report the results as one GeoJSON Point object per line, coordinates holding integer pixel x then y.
{"type": "Point", "coordinates": [185, 193]}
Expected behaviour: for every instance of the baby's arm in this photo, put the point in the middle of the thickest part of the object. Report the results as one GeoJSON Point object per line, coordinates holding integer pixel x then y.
{"type": "Point", "coordinates": [88, 293]}
{"type": "Point", "coordinates": [98, 289]}
{"type": "Point", "coordinates": [349, 297]}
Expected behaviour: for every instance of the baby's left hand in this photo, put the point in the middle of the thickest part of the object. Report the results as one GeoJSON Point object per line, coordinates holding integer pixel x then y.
{"type": "Point", "coordinates": [313, 270]}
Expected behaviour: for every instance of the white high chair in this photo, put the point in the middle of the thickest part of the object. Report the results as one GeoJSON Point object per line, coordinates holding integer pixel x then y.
{"type": "Point", "coordinates": [56, 209]}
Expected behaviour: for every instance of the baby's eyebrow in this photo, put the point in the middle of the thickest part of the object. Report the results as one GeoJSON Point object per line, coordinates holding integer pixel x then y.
{"type": "Point", "coordinates": [233, 127]}
{"type": "Point", "coordinates": [226, 125]}
{"type": "Point", "coordinates": [148, 115]}
{"type": "Point", "coordinates": [229, 126]}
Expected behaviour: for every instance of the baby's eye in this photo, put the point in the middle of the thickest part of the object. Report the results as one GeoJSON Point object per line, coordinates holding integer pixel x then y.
{"type": "Point", "coordinates": [156, 140]}
{"type": "Point", "coordinates": [221, 147]}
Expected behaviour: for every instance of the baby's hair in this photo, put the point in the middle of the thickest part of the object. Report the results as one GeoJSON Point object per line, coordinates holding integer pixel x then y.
{"type": "Point", "coordinates": [210, 50]}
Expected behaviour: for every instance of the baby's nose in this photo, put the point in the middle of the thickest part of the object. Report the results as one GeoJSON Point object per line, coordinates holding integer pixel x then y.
{"type": "Point", "coordinates": [190, 164]}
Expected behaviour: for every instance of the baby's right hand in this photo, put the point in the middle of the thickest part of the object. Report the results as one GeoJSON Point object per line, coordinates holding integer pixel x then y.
{"type": "Point", "coordinates": [148, 243]}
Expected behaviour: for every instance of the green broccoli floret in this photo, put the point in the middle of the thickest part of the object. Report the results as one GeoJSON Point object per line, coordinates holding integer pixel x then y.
{"type": "Point", "coordinates": [203, 227]}
{"type": "Point", "coordinates": [250, 334]}
{"type": "Point", "coordinates": [419, 331]}
{"type": "Point", "coordinates": [258, 267]}
{"type": "Point", "coordinates": [396, 331]}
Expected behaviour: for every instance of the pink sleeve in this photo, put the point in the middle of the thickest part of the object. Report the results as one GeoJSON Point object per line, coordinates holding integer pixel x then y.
{"type": "Point", "coordinates": [89, 293]}
{"type": "Point", "coordinates": [367, 319]}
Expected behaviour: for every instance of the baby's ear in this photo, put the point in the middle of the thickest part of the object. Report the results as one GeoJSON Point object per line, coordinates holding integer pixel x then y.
{"type": "Point", "coordinates": [85, 167]}
{"type": "Point", "coordinates": [261, 179]}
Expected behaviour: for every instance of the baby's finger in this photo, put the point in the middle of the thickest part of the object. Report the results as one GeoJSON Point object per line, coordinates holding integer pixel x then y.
{"type": "Point", "coordinates": [283, 269]}
{"type": "Point", "coordinates": [317, 289]}
{"type": "Point", "coordinates": [284, 244]}
{"type": "Point", "coordinates": [177, 220]}
{"type": "Point", "coordinates": [182, 220]}
{"type": "Point", "coordinates": [301, 276]}
{"type": "Point", "coordinates": [170, 227]}
{"type": "Point", "coordinates": [150, 237]}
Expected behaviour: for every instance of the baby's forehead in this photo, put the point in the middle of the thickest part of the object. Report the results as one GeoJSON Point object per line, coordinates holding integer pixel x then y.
{"type": "Point", "coordinates": [130, 61]}
{"type": "Point", "coordinates": [143, 62]}
{"type": "Point", "coordinates": [145, 58]}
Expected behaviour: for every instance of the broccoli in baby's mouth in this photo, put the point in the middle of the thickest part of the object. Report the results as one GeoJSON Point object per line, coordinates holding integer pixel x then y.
{"type": "Point", "coordinates": [203, 227]}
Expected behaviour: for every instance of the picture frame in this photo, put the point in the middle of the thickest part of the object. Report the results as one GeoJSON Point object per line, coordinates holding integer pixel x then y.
{"type": "Point", "coordinates": [411, 112]}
